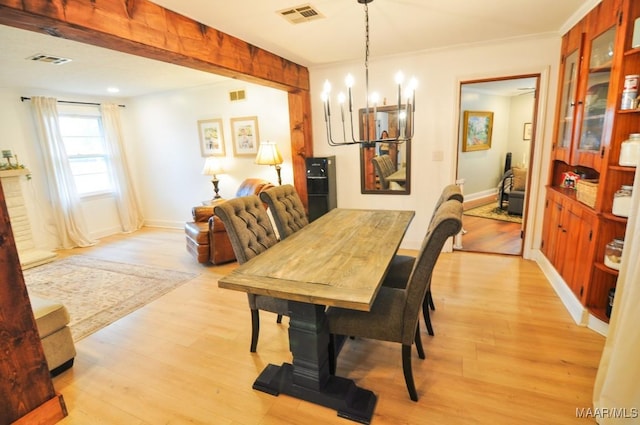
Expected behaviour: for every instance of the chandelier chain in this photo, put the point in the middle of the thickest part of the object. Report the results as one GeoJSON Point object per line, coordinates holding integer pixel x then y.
{"type": "Point", "coordinates": [366, 26]}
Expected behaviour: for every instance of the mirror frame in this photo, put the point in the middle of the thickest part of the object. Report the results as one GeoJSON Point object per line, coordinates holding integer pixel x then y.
{"type": "Point", "coordinates": [365, 159]}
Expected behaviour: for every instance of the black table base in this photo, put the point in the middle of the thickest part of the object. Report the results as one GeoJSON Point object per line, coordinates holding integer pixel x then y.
{"type": "Point", "coordinates": [308, 378]}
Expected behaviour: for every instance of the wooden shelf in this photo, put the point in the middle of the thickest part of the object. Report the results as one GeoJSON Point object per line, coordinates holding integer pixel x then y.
{"type": "Point", "coordinates": [632, 52]}
{"type": "Point", "coordinates": [612, 217]}
{"type": "Point", "coordinates": [623, 168]}
{"type": "Point", "coordinates": [582, 227]}
{"type": "Point", "coordinates": [604, 268]}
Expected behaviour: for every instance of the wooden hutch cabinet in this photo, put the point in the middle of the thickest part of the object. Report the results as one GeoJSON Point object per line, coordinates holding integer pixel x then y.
{"type": "Point", "coordinates": [590, 127]}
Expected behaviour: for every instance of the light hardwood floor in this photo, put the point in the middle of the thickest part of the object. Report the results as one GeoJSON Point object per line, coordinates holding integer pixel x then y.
{"type": "Point", "coordinates": [489, 236]}
{"type": "Point", "coordinates": [505, 352]}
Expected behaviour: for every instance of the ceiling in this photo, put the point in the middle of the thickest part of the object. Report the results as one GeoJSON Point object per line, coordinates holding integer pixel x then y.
{"type": "Point", "coordinates": [397, 26]}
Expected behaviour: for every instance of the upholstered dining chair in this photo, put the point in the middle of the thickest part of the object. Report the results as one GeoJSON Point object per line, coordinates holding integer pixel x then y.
{"type": "Point", "coordinates": [251, 233]}
{"type": "Point", "coordinates": [394, 315]}
{"type": "Point", "coordinates": [383, 165]}
{"type": "Point", "coordinates": [286, 208]}
{"type": "Point", "coordinates": [402, 265]}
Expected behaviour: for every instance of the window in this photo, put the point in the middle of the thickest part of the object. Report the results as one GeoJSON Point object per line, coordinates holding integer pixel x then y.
{"type": "Point", "coordinates": [86, 151]}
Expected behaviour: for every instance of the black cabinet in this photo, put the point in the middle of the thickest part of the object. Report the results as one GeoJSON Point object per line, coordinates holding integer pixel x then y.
{"type": "Point", "coordinates": [321, 185]}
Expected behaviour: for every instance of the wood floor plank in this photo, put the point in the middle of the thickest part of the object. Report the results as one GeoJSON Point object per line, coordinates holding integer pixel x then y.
{"type": "Point", "coordinates": [505, 352]}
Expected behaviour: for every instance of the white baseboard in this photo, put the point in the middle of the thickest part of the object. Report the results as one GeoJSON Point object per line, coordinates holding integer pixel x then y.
{"type": "Point", "coordinates": [103, 233]}
{"type": "Point", "coordinates": [568, 298]}
{"type": "Point", "coordinates": [165, 224]}
{"type": "Point", "coordinates": [577, 311]}
{"type": "Point", "coordinates": [598, 325]}
{"type": "Point", "coordinates": [480, 195]}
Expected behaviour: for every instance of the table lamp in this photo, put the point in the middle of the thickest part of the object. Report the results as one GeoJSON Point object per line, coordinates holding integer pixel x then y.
{"type": "Point", "coordinates": [212, 167]}
{"type": "Point", "coordinates": [268, 154]}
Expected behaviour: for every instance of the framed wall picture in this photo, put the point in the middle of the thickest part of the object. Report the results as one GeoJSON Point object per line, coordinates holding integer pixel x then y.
{"type": "Point", "coordinates": [211, 137]}
{"type": "Point", "coordinates": [526, 133]}
{"type": "Point", "coordinates": [245, 136]}
{"type": "Point", "coordinates": [477, 127]}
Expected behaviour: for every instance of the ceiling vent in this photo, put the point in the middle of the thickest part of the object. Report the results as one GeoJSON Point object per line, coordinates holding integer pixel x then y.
{"type": "Point", "coordinates": [237, 95]}
{"type": "Point", "coordinates": [55, 60]}
{"type": "Point", "coordinates": [300, 14]}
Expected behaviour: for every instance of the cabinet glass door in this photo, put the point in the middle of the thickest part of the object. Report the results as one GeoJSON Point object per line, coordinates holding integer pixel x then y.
{"type": "Point", "coordinates": [595, 102]}
{"type": "Point", "coordinates": [567, 109]}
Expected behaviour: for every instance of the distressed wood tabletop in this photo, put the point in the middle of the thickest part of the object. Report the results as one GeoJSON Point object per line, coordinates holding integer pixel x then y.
{"type": "Point", "coordinates": [339, 260]}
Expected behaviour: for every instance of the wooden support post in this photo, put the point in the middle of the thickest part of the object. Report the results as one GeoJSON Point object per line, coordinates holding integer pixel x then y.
{"type": "Point", "coordinates": [26, 390]}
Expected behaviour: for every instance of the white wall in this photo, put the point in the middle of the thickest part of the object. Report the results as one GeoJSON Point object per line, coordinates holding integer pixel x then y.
{"type": "Point", "coordinates": [439, 73]}
{"type": "Point", "coordinates": [482, 170]}
{"type": "Point", "coordinates": [522, 110]}
{"type": "Point", "coordinates": [165, 144]}
{"type": "Point", "coordinates": [20, 136]}
{"type": "Point", "coordinates": [162, 138]}
{"type": "Point", "coordinates": [162, 145]}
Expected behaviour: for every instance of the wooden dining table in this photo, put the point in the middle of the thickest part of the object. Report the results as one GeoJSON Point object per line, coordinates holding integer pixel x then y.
{"type": "Point", "coordinates": [339, 260]}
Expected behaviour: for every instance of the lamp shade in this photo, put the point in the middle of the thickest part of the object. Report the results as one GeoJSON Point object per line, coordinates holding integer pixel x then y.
{"type": "Point", "coordinates": [212, 167]}
{"type": "Point", "coordinates": [268, 154]}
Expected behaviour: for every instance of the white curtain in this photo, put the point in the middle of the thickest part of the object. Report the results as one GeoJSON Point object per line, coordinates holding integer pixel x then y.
{"type": "Point", "coordinates": [616, 395]}
{"type": "Point", "coordinates": [125, 195]}
{"type": "Point", "coordinates": [72, 230]}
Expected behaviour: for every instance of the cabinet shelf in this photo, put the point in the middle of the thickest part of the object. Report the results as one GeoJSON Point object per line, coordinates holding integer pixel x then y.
{"type": "Point", "coordinates": [574, 234]}
{"type": "Point", "coordinates": [623, 168]}
{"type": "Point", "coordinates": [632, 52]}
{"type": "Point", "coordinates": [612, 217]}
{"type": "Point", "coordinates": [604, 68]}
{"type": "Point", "coordinates": [604, 268]}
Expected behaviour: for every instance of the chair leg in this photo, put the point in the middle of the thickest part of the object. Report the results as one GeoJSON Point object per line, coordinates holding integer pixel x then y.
{"type": "Point", "coordinates": [427, 318]}
{"type": "Point", "coordinates": [255, 329]}
{"type": "Point", "coordinates": [279, 319]}
{"type": "Point", "coordinates": [408, 374]}
{"type": "Point", "coordinates": [418, 341]}
{"type": "Point", "coordinates": [430, 299]}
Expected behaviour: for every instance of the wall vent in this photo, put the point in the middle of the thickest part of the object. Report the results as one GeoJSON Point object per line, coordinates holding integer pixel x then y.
{"type": "Point", "coordinates": [55, 60]}
{"type": "Point", "coordinates": [237, 95]}
{"type": "Point", "coordinates": [300, 14]}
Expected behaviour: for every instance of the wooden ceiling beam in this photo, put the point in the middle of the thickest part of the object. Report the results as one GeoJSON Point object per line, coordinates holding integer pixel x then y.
{"type": "Point", "coordinates": [142, 28]}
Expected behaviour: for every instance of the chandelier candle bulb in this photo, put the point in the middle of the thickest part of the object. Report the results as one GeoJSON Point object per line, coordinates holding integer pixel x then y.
{"type": "Point", "coordinates": [348, 81]}
{"type": "Point", "coordinates": [324, 107]}
{"type": "Point", "coordinates": [399, 79]}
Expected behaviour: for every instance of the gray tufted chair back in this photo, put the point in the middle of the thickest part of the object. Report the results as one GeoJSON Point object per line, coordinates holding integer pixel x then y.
{"type": "Point", "coordinates": [251, 233]}
{"type": "Point", "coordinates": [447, 222]}
{"type": "Point", "coordinates": [287, 209]}
{"type": "Point", "coordinates": [248, 226]}
{"type": "Point", "coordinates": [384, 167]}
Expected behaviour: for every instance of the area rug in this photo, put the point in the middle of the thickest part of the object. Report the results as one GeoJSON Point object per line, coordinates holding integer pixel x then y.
{"type": "Point", "coordinates": [98, 292]}
{"type": "Point", "coordinates": [493, 212]}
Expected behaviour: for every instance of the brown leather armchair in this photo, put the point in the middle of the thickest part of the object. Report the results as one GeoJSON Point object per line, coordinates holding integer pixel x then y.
{"type": "Point", "coordinates": [206, 236]}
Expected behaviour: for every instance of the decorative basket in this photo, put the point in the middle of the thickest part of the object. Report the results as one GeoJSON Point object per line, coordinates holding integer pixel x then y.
{"type": "Point", "coordinates": [587, 191]}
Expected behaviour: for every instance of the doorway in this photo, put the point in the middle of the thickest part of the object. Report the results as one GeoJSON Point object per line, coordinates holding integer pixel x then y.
{"type": "Point", "coordinates": [496, 141]}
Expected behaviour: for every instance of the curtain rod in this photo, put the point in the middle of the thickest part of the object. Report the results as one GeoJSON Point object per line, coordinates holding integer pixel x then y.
{"type": "Point", "coordinates": [22, 99]}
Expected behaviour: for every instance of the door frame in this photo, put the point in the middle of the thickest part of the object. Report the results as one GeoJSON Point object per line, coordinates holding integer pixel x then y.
{"type": "Point", "coordinates": [537, 121]}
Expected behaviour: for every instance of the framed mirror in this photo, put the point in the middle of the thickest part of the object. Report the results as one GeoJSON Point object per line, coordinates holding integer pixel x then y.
{"type": "Point", "coordinates": [385, 168]}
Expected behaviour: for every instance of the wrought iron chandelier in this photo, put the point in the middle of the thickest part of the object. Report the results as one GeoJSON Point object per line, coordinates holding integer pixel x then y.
{"type": "Point", "coordinates": [405, 113]}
